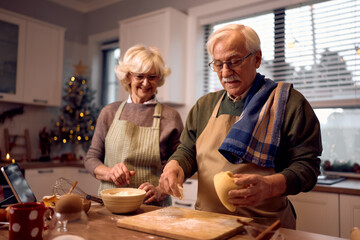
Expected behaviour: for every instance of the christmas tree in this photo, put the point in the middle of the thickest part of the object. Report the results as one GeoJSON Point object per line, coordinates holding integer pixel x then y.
{"type": "Point", "coordinates": [77, 119]}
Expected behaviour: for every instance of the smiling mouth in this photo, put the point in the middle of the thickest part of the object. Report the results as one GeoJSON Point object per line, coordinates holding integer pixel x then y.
{"type": "Point", "coordinates": [145, 90]}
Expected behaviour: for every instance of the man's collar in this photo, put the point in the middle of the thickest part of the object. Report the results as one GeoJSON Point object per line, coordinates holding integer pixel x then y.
{"type": "Point", "coordinates": [242, 96]}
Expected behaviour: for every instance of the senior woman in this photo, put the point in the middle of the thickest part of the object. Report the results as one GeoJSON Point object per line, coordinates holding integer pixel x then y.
{"type": "Point", "coordinates": [134, 138]}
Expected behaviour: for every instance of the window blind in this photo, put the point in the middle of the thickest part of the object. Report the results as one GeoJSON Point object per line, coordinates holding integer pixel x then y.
{"type": "Point", "coordinates": [314, 46]}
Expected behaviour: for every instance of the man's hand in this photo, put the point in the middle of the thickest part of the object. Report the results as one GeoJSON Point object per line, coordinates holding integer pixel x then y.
{"type": "Point", "coordinates": [172, 175]}
{"type": "Point", "coordinates": [256, 188]}
{"type": "Point", "coordinates": [152, 193]}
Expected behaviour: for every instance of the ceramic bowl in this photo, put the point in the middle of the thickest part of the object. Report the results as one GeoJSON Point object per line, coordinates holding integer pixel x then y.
{"type": "Point", "coordinates": [122, 200]}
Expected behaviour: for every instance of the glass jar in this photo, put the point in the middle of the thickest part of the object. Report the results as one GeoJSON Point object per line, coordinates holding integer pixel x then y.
{"type": "Point", "coordinates": [69, 226]}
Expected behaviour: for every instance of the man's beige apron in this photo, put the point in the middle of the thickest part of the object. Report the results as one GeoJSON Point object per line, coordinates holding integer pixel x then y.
{"type": "Point", "coordinates": [211, 162]}
{"type": "Point", "coordinates": [138, 147]}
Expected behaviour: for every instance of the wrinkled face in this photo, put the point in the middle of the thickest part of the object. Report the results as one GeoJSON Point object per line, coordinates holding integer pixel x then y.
{"type": "Point", "coordinates": [238, 79]}
{"type": "Point", "coordinates": [143, 86]}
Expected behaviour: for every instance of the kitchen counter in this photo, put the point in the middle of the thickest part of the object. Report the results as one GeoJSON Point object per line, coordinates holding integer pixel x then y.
{"type": "Point", "coordinates": [50, 164]}
{"type": "Point", "coordinates": [349, 186]}
{"type": "Point", "coordinates": [102, 225]}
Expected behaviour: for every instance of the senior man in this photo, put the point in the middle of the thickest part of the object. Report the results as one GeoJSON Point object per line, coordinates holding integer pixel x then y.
{"type": "Point", "coordinates": [266, 133]}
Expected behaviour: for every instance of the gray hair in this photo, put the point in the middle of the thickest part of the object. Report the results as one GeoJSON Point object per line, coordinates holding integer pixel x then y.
{"type": "Point", "coordinates": [141, 59]}
{"type": "Point", "coordinates": [252, 41]}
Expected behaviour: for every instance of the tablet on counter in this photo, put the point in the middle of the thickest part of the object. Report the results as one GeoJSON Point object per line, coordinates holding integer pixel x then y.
{"type": "Point", "coordinates": [18, 183]}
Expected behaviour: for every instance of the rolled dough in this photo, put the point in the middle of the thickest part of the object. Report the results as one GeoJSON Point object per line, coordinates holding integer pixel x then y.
{"type": "Point", "coordinates": [224, 182]}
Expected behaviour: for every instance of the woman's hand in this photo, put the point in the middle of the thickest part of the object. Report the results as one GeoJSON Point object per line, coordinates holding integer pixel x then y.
{"type": "Point", "coordinates": [171, 178]}
{"type": "Point", "coordinates": [119, 174]}
{"type": "Point", "coordinates": [153, 194]}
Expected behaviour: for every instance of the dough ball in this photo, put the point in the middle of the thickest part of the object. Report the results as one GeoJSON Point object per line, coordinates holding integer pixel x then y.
{"type": "Point", "coordinates": [69, 203]}
{"type": "Point", "coordinates": [224, 182]}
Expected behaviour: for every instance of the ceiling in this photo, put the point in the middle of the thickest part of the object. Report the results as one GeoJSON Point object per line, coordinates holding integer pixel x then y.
{"type": "Point", "coordinates": [85, 6]}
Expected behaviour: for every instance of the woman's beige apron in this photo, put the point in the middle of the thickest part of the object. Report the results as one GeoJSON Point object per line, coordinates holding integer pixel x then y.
{"type": "Point", "coordinates": [138, 147]}
{"type": "Point", "coordinates": [211, 162]}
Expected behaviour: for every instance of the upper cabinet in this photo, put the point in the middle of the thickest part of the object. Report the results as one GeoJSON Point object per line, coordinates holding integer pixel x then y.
{"type": "Point", "coordinates": [32, 64]}
{"type": "Point", "coordinates": [44, 64]}
{"type": "Point", "coordinates": [12, 48]}
{"type": "Point", "coordinates": [165, 29]}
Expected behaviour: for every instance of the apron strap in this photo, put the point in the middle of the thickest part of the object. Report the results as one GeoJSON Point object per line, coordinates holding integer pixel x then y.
{"type": "Point", "coordinates": [157, 116]}
{"type": "Point", "coordinates": [217, 106]}
{"type": "Point", "coordinates": [119, 111]}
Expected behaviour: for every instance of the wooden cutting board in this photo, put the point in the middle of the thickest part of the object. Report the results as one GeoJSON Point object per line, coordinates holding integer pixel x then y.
{"type": "Point", "coordinates": [183, 223]}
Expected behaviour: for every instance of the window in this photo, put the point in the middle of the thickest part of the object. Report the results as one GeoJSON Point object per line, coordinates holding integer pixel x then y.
{"type": "Point", "coordinates": [110, 57]}
{"type": "Point", "coordinates": [340, 132]}
{"type": "Point", "coordinates": [317, 48]}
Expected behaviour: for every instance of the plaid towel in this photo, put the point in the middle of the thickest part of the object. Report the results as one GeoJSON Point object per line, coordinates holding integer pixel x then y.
{"type": "Point", "coordinates": [255, 137]}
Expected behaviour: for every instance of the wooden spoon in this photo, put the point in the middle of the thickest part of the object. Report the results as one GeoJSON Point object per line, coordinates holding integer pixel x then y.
{"type": "Point", "coordinates": [73, 186]}
{"type": "Point", "coordinates": [271, 227]}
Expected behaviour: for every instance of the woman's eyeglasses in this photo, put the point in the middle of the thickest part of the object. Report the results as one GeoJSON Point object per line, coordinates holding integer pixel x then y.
{"type": "Point", "coordinates": [217, 65]}
{"type": "Point", "coordinates": [141, 77]}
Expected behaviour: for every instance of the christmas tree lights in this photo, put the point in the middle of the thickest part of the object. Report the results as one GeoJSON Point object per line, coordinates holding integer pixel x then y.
{"type": "Point", "coordinates": [77, 118]}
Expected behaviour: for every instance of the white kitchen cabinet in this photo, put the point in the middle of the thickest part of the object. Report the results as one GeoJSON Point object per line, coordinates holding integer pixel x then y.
{"type": "Point", "coordinates": [42, 180]}
{"type": "Point", "coordinates": [317, 212]}
{"type": "Point", "coordinates": [165, 29]}
{"type": "Point", "coordinates": [12, 48]}
{"type": "Point", "coordinates": [190, 194]}
{"type": "Point", "coordinates": [349, 214]}
{"type": "Point", "coordinates": [86, 182]}
{"type": "Point", "coordinates": [43, 64]}
{"type": "Point", "coordinates": [38, 64]}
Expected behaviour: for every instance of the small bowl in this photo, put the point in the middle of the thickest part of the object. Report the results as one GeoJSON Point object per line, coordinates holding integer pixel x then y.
{"type": "Point", "coordinates": [86, 204]}
{"type": "Point", "coordinates": [122, 200]}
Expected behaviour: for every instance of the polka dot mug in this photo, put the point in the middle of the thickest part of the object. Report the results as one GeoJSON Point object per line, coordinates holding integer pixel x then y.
{"type": "Point", "coordinates": [27, 220]}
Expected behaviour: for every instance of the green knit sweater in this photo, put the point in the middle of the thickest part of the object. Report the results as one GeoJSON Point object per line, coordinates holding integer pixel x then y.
{"type": "Point", "coordinates": [300, 144]}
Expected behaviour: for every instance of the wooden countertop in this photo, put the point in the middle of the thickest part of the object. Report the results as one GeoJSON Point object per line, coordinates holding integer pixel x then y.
{"type": "Point", "coordinates": [102, 225]}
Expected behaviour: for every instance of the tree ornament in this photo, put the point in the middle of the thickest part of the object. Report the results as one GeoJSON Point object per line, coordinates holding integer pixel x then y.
{"type": "Point", "coordinates": [79, 69]}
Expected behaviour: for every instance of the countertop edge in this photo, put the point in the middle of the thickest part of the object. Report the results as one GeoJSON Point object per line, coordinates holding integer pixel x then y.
{"type": "Point", "coordinates": [348, 186]}
{"type": "Point", "coordinates": [32, 165]}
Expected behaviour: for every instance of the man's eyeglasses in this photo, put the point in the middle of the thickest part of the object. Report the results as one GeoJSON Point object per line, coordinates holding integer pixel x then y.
{"type": "Point", "coordinates": [141, 77]}
{"type": "Point", "coordinates": [217, 65]}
